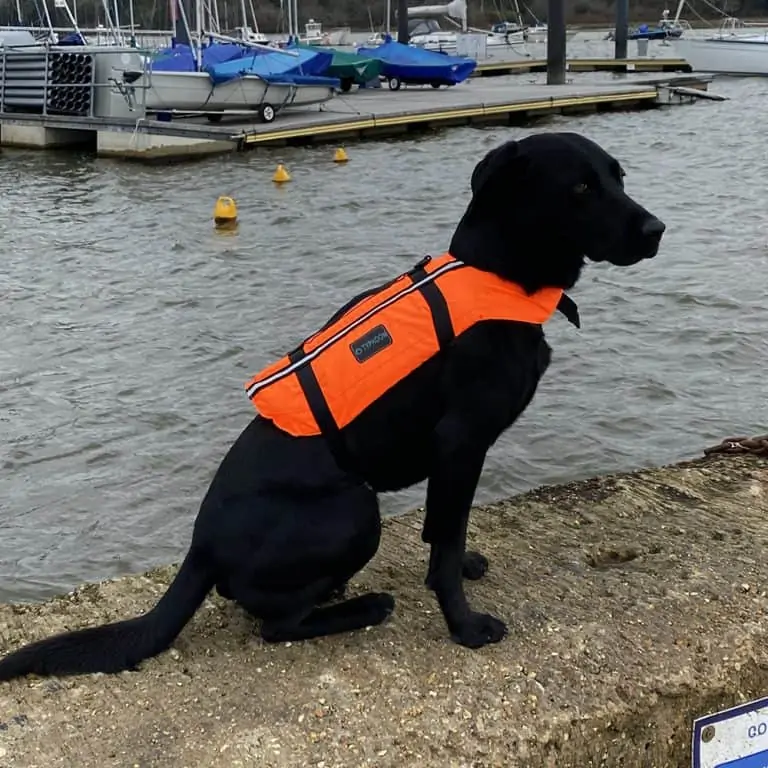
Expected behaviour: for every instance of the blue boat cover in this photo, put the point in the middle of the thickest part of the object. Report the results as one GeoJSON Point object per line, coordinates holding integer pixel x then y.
{"type": "Point", "coordinates": [73, 38]}
{"type": "Point", "coordinates": [181, 58]}
{"type": "Point", "coordinates": [227, 61]}
{"type": "Point", "coordinates": [417, 65]}
{"type": "Point", "coordinates": [298, 62]}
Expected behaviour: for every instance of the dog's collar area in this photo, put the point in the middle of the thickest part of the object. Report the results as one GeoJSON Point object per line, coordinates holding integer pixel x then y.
{"type": "Point", "coordinates": [568, 307]}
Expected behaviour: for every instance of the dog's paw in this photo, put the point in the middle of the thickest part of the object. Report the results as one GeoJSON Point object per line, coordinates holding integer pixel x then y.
{"type": "Point", "coordinates": [478, 630]}
{"type": "Point", "coordinates": [475, 566]}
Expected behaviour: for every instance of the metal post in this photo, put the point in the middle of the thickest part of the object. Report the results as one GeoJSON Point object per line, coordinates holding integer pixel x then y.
{"type": "Point", "coordinates": [556, 42]}
{"type": "Point", "coordinates": [402, 21]}
{"type": "Point", "coordinates": [622, 22]}
{"type": "Point", "coordinates": [2, 84]}
{"type": "Point", "coordinates": [182, 30]}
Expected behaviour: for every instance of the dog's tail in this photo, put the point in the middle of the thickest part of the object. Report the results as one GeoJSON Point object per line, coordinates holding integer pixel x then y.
{"type": "Point", "coordinates": [120, 646]}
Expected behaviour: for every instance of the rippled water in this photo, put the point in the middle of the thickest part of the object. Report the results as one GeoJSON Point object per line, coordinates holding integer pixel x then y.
{"type": "Point", "coordinates": [129, 325]}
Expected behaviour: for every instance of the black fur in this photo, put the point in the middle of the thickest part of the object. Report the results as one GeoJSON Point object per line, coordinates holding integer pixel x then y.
{"type": "Point", "coordinates": [285, 524]}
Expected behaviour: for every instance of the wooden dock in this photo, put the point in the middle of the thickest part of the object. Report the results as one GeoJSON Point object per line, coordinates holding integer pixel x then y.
{"type": "Point", "coordinates": [644, 64]}
{"type": "Point", "coordinates": [367, 113]}
{"type": "Point", "coordinates": [378, 115]}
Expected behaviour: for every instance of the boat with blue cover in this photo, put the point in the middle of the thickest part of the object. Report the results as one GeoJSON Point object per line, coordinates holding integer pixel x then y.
{"type": "Point", "coordinates": [228, 76]}
{"type": "Point", "coordinates": [644, 32]}
{"type": "Point", "coordinates": [405, 65]}
{"type": "Point", "coordinates": [349, 67]}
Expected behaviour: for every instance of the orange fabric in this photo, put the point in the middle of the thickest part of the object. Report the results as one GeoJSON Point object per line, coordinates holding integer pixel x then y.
{"type": "Point", "coordinates": [351, 385]}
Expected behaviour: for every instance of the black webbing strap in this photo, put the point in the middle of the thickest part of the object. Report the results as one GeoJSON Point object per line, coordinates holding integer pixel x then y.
{"type": "Point", "coordinates": [438, 306]}
{"type": "Point", "coordinates": [318, 405]}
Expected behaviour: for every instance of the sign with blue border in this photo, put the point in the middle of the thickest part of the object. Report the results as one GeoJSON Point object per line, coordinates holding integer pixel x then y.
{"type": "Point", "coordinates": [733, 738]}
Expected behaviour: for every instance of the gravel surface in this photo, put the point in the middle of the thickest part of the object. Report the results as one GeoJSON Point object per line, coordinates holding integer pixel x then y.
{"type": "Point", "coordinates": [635, 602]}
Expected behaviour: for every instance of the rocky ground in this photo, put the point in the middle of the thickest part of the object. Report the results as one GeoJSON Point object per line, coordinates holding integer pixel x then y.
{"type": "Point", "coordinates": [635, 603]}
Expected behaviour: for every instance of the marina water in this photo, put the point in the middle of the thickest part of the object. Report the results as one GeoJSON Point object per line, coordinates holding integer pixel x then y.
{"type": "Point", "coordinates": [130, 325]}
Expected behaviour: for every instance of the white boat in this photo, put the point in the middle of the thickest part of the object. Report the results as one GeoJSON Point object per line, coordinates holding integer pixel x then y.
{"type": "Point", "coordinates": [375, 38]}
{"type": "Point", "coordinates": [446, 42]}
{"type": "Point", "coordinates": [536, 33]}
{"type": "Point", "coordinates": [729, 52]}
{"type": "Point", "coordinates": [314, 35]}
{"type": "Point", "coordinates": [249, 35]}
{"type": "Point", "coordinates": [424, 31]}
{"type": "Point", "coordinates": [196, 92]}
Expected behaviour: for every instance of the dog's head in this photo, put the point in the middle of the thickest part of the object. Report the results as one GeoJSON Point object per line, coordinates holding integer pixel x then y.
{"type": "Point", "coordinates": [542, 205]}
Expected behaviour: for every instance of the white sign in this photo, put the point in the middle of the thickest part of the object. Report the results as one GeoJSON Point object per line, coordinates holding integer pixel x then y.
{"type": "Point", "coordinates": [733, 738]}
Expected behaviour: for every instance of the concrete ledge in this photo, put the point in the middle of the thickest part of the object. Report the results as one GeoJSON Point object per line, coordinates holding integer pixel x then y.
{"type": "Point", "coordinates": [41, 137]}
{"type": "Point", "coordinates": [635, 602]}
{"type": "Point", "coordinates": [149, 147]}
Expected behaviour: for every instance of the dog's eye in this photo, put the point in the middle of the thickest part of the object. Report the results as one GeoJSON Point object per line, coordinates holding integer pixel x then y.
{"type": "Point", "coordinates": [580, 189]}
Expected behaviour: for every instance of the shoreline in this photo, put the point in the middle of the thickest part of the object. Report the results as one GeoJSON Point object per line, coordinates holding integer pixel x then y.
{"type": "Point", "coordinates": [634, 603]}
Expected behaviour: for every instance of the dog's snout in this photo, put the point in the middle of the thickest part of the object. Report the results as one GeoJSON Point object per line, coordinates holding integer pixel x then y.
{"type": "Point", "coordinates": [653, 228]}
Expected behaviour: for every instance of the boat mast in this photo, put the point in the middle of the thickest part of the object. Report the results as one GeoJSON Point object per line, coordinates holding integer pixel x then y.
{"type": "Point", "coordinates": [48, 20]}
{"type": "Point", "coordinates": [289, 18]}
{"type": "Point", "coordinates": [132, 41]}
{"type": "Point", "coordinates": [253, 17]}
{"type": "Point", "coordinates": [244, 14]}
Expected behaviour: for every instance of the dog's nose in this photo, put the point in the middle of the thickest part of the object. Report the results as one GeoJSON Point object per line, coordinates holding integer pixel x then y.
{"type": "Point", "coordinates": [653, 228]}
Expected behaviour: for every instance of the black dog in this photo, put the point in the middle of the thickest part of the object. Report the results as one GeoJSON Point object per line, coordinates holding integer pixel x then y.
{"type": "Point", "coordinates": [288, 519]}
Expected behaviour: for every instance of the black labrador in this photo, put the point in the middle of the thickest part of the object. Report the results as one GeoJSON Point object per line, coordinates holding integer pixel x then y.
{"type": "Point", "coordinates": [287, 520]}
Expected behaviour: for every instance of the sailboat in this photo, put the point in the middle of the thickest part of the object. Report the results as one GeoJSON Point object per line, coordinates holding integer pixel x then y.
{"type": "Point", "coordinates": [227, 74]}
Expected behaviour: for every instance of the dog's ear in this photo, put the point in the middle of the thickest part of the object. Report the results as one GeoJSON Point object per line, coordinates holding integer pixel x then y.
{"type": "Point", "coordinates": [498, 167]}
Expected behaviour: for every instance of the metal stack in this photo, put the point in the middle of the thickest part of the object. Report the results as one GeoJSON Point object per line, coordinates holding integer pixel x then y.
{"type": "Point", "coordinates": [71, 78]}
{"type": "Point", "coordinates": [52, 81]}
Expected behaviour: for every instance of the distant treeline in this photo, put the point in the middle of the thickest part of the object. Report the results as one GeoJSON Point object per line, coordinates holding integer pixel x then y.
{"type": "Point", "coordinates": [370, 14]}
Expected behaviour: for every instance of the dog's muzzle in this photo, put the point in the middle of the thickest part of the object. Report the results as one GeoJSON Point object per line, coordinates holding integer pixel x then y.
{"type": "Point", "coordinates": [643, 244]}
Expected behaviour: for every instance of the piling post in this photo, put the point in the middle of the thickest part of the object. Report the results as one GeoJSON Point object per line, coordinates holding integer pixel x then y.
{"type": "Point", "coordinates": [556, 42]}
{"type": "Point", "coordinates": [402, 21]}
{"type": "Point", "coordinates": [622, 24]}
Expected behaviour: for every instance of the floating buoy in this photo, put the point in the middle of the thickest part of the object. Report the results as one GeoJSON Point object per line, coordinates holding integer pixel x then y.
{"type": "Point", "coordinates": [340, 156]}
{"type": "Point", "coordinates": [281, 175]}
{"type": "Point", "coordinates": [225, 212]}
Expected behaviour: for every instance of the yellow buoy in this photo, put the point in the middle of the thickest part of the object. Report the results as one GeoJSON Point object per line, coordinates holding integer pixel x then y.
{"type": "Point", "coordinates": [281, 175]}
{"type": "Point", "coordinates": [340, 156]}
{"type": "Point", "coordinates": [224, 212]}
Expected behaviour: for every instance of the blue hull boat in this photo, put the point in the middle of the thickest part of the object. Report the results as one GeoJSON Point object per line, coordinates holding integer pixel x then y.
{"type": "Point", "coordinates": [644, 32]}
{"type": "Point", "coordinates": [404, 64]}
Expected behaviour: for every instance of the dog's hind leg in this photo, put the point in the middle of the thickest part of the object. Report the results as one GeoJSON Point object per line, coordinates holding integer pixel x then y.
{"type": "Point", "coordinates": [356, 613]}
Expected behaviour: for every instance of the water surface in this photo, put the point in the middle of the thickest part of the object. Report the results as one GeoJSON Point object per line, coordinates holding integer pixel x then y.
{"type": "Point", "coordinates": [130, 325]}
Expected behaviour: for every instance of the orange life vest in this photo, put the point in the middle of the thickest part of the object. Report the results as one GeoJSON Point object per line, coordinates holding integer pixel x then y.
{"type": "Point", "coordinates": [372, 344]}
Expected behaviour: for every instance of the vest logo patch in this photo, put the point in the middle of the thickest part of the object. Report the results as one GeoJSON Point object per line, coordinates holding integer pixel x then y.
{"type": "Point", "coordinates": [374, 341]}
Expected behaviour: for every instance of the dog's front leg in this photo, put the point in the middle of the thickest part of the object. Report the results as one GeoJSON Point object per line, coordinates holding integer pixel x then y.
{"type": "Point", "coordinates": [450, 491]}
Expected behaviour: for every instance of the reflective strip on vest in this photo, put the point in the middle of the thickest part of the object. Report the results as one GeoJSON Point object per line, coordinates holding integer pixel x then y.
{"type": "Point", "coordinates": [334, 375]}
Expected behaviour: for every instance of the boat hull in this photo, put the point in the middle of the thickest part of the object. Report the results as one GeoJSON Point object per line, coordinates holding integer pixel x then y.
{"type": "Point", "coordinates": [196, 92]}
{"type": "Point", "coordinates": [306, 95]}
{"type": "Point", "coordinates": [726, 56]}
